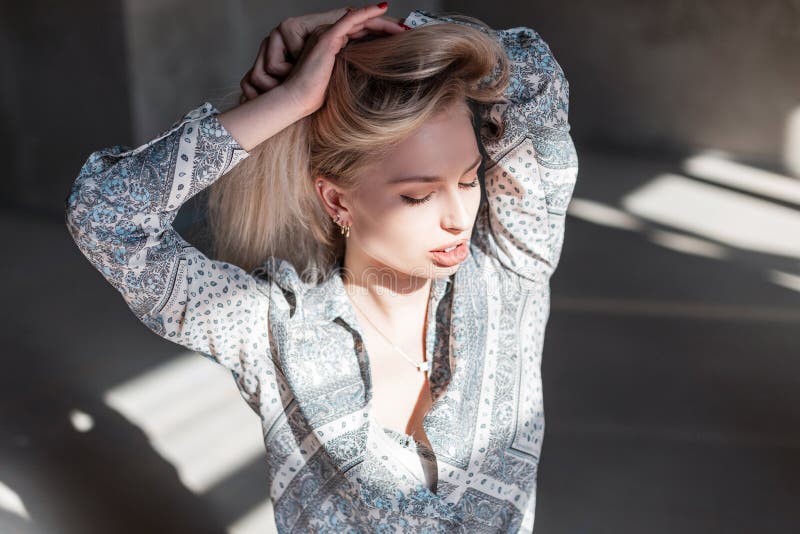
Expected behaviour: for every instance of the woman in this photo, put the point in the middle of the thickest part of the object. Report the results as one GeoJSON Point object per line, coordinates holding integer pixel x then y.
{"type": "Point", "coordinates": [398, 384]}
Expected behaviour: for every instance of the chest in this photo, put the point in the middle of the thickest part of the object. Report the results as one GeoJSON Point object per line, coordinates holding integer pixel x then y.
{"type": "Point", "coordinates": [400, 393]}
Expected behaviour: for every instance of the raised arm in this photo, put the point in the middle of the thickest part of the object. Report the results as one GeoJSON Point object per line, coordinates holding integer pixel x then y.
{"type": "Point", "coordinates": [120, 212]}
{"type": "Point", "coordinates": [122, 205]}
{"type": "Point", "coordinates": [532, 166]}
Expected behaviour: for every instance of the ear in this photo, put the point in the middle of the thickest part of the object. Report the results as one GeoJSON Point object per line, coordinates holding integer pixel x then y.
{"type": "Point", "coordinates": [335, 198]}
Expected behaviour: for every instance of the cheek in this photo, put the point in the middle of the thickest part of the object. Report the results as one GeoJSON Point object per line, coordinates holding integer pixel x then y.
{"type": "Point", "coordinates": [391, 228]}
{"type": "Point", "coordinates": [400, 236]}
{"type": "Point", "coordinates": [407, 226]}
{"type": "Point", "coordinates": [475, 198]}
{"type": "Point", "coordinates": [472, 201]}
{"type": "Point", "coordinates": [388, 222]}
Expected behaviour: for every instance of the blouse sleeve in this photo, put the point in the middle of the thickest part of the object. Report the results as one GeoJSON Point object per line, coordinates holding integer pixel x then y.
{"type": "Point", "coordinates": [120, 211]}
{"type": "Point", "coordinates": [532, 164]}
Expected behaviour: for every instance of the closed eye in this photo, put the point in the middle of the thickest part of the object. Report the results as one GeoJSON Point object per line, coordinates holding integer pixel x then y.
{"type": "Point", "coordinates": [417, 201]}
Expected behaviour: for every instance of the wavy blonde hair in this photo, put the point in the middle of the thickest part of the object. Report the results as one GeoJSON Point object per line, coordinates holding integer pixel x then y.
{"type": "Point", "coordinates": [381, 90]}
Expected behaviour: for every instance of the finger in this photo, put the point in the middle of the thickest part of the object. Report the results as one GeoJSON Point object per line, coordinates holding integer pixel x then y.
{"type": "Point", "coordinates": [361, 29]}
{"type": "Point", "coordinates": [360, 15]}
{"type": "Point", "coordinates": [260, 56]}
{"type": "Point", "coordinates": [333, 37]}
{"type": "Point", "coordinates": [263, 81]}
{"type": "Point", "coordinates": [257, 76]}
{"type": "Point", "coordinates": [275, 63]}
{"type": "Point", "coordinates": [310, 46]}
{"type": "Point", "coordinates": [293, 36]}
{"type": "Point", "coordinates": [380, 24]}
{"type": "Point", "coordinates": [377, 26]}
{"type": "Point", "coordinates": [307, 23]}
{"type": "Point", "coordinates": [248, 90]}
{"type": "Point", "coordinates": [352, 21]}
{"type": "Point", "coordinates": [296, 30]}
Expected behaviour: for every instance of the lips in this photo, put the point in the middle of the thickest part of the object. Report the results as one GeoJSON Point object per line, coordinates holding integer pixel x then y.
{"type": "Point", "coordinates": [452, 257]}
{"type": "Point", "coordinates": [449, 245]}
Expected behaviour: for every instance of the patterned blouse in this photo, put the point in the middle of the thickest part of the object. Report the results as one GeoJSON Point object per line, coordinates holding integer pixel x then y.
{"type": "Point", "coordinates": [296, 351]}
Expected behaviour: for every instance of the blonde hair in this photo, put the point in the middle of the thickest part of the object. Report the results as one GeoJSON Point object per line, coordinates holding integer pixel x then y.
{"type": "Point", "coordinates": [381, 90]}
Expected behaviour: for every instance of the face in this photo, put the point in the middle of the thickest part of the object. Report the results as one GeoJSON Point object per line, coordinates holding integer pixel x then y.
{"type": "Point", "coordinates": [423, 197]}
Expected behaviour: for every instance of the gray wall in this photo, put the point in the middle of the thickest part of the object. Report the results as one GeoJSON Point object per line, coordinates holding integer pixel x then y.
{"type": "Point", "coordinates": [91, 74]}
{"type": "Point", "coordinates": [666, 76]}
{"type": "Point", "coordinates": [64, 89]}
{"type": "Point", "coordinates": [672, 75]}
{"type": "Point", "coordinates": [178, 59]}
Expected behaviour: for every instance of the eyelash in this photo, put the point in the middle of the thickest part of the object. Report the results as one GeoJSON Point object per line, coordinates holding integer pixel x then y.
{"type": "Point", "coordinates": [418, 201]}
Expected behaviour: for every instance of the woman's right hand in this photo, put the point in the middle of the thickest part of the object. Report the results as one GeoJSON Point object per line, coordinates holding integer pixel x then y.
{"type": "Point", "coordinates": [313, 40]}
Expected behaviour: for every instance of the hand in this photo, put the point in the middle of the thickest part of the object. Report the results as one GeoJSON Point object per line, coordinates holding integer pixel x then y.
{"type": "Point", "coordinates": [299, 53]}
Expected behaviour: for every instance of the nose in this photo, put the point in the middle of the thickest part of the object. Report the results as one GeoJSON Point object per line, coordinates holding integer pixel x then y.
{"type": "Point", "coordinates": [456, 215]}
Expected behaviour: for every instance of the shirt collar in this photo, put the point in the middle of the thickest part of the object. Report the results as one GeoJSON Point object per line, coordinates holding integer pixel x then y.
{"type": "Point", "coordinates": [328, 299]}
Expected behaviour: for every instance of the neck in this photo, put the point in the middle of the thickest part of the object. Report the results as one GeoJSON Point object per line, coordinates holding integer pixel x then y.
{"type": "Point", "coordinates": [378, 289]}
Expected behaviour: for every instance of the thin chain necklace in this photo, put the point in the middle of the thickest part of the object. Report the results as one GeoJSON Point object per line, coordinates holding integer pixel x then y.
{"type": "Point", "coordinates": [424, 366]}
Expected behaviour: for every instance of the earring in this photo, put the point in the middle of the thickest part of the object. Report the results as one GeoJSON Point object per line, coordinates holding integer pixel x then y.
{"type": "Point", "coordinates": [343, 230]}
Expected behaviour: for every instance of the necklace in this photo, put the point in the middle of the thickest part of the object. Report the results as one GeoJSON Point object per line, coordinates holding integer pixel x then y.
{"type": "Point", "coordinates": [424, 366]}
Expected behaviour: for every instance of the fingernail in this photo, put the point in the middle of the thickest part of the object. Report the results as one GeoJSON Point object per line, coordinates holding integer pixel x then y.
{"type": "Point", "coordinates": [404, 26]}
{"type": "Point", "coordinates": [383, 4]}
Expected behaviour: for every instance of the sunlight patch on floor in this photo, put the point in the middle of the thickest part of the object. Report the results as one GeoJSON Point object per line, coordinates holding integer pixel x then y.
{"type": "Point", "coordinates": [791, 144]}
{"type": "Point", "coordinates": [603, 214]}
{"type": "Point", "coordinates": [255, 520]}
{"type": "Point", "coordinates": [195, 418]}
{"type": "Point", "coordinates": [743, 177]}
{"type": "Point", "coordinates": [609, 216]}
{"type": "Point", "coordinates": [81, 421]}
{"type": "Point", "coordinates": [787, 280]}
{"type": "Point", "coordinates": [688, 244]}
{"type": "Point", "coordinates": [11, 503]}
{"type": "Point", "coordinates": [732, 218]}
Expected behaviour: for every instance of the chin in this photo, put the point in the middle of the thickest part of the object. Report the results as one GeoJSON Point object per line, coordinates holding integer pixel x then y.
{"type": "Point", "coordinates": [442, 270]}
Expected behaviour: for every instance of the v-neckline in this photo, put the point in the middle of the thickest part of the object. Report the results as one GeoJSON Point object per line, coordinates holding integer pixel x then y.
{"type": "Point", "coordinates": [341, 306]}
{"type": "Point", "coordinates": [435, 288]}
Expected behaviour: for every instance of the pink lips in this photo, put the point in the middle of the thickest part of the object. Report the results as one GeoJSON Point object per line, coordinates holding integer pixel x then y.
{"type": "Point", "coordinates": [456, 242]}
{"type": "Point", "coordinates": [453, 257]}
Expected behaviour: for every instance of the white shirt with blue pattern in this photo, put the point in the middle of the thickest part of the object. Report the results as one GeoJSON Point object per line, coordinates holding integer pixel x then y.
{"type": "Point", "coordinates": [296, 351]}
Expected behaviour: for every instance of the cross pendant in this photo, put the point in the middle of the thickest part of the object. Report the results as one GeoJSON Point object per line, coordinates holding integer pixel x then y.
{"type": "Point", "coordinates": [425, 366]}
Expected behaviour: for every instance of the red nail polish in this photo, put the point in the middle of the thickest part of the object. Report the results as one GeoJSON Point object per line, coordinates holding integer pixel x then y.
{"type": "Point", "coordinates": [404, 26]}
{"type": "Point", "coordinates": [383, 4]}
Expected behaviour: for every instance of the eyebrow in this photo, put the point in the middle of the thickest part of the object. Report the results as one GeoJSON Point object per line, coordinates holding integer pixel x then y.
{"type": "Point", "coordinates": [431, 178]}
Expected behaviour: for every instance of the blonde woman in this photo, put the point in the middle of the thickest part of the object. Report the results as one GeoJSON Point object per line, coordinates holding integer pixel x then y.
{"type": "Point", "coordinates": [382, 316]}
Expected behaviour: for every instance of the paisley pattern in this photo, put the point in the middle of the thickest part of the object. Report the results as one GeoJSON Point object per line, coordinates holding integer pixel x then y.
{"type": "Point", "coordinates": [296, 350]}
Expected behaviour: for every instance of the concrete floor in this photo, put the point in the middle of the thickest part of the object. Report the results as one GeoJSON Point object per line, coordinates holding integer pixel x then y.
{"type": "Point", "coordinates": [671, 373]}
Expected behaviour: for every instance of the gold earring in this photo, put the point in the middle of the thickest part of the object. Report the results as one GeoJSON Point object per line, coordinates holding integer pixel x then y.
{"type": "Point", "coordinates": [343, 230]}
